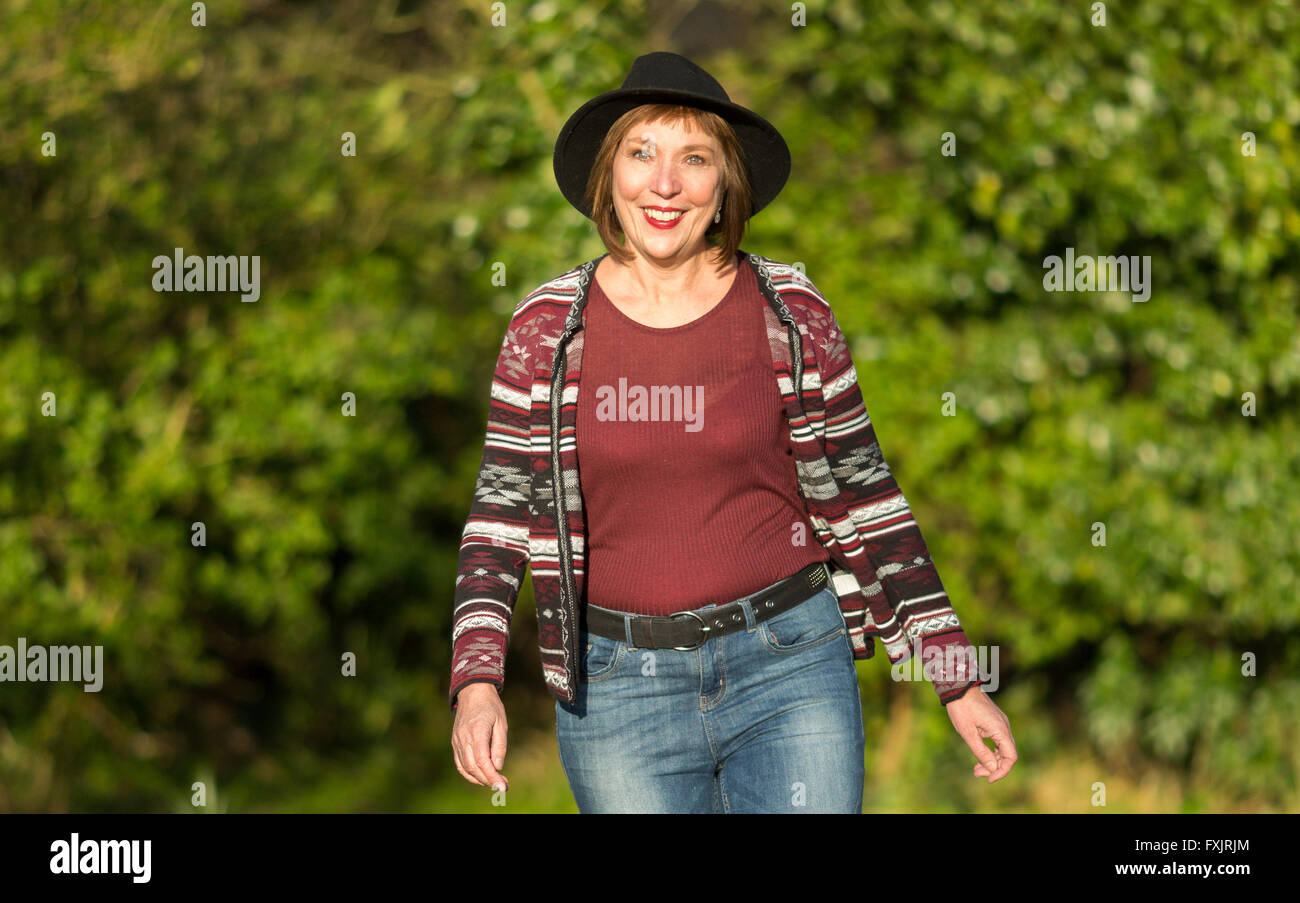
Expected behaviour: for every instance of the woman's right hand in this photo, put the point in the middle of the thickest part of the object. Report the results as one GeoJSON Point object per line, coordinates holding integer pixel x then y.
{"type": "Point", "coordinates": [478, 736]}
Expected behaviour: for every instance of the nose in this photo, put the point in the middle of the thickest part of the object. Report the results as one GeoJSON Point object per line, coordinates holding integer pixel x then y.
{"type": "Point", "coordinates": [666, 180]}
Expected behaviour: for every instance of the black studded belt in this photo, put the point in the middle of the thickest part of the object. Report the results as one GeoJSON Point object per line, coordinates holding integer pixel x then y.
{"type": "Point", "coordinates": [687, 630]}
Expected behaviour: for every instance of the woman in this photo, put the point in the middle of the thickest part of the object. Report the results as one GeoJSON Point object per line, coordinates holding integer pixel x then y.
{"type": "Point", "coordinates": [700, 649]}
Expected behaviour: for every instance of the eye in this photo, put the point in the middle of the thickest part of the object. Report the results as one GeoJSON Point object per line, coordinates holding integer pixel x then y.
{"type": "Point", "coordinates": [637, 153]}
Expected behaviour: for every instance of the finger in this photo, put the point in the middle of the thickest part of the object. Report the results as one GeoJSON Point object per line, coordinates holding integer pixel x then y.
{"type": "Point", "coordinates": [1004, 766]}
{"type": "Point", "coordinates": [1006, 743]}
{"type": "Point", "coordinates": [1006, 752]}
{"type": "Point", "coordinates": [985, 756]}
{"type": "Point", "coordinates": [499, 745]}
{"type": "Point", "coordinates": [471, 762]}
{"type": "Point", "coordinates": [465, 774]}
{"type": "Point", "coordinates": [460, 767]}
{"type": "Point", "coordinates": [483, 757]}
{"type": "Point", "coordinates": [460, 763]}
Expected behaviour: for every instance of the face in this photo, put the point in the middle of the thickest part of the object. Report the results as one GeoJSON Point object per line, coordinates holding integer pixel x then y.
{"type": "Point", "coordinates": [667, 187]}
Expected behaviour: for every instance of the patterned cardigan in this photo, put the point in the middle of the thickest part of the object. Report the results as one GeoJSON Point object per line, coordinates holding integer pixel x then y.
{"type": "Point", "coordinates": [881, 569]}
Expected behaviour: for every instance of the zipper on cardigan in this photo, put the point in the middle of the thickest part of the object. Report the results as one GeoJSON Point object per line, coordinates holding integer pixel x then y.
{"type": "Point", "coordinates": [796, 351]}
{"type": "Point", "coordinates": [568, 581]}
{"type": "Point", "coordinates": [568, 592]}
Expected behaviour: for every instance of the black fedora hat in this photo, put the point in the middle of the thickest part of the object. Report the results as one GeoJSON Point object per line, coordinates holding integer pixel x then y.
{"type": "Point", "coordinates": [663, 77]}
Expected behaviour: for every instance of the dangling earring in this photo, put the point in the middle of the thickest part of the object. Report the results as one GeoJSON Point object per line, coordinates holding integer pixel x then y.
{"type": "Point", "coordinates": [717, 217]}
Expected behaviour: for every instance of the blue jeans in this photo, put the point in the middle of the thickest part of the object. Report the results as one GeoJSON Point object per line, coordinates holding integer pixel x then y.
{"type": "Point", "coordinates": [765, 719]}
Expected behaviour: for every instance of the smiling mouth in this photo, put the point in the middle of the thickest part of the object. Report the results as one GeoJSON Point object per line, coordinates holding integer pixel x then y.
{"type": "Point", "coordinates": [662, 217]}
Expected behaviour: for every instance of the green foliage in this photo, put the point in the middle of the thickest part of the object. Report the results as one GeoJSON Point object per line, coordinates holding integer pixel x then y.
{"type": "Point", "coordinates": [329, 534]}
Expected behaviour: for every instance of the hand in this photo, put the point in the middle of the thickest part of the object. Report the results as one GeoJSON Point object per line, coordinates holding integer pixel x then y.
{"type": "Point", "coordinates": [975, 716]}
{"type": "Point", "coordinates": [478, 736]}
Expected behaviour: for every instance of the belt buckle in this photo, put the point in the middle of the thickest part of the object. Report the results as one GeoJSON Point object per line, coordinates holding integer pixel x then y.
{"type": "Point", "coordinates": [703, 625]}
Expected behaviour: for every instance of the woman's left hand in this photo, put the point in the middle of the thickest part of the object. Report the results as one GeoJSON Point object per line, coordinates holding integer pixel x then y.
{"type": "Point", "coordinates": [975, 716]}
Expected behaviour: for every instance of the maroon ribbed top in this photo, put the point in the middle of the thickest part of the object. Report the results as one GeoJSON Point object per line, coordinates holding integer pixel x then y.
{"type": "Point", "coordinates": [688, 477]}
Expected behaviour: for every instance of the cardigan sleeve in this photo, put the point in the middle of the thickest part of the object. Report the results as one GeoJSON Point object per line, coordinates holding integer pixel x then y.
{"type": "Point", "coordinates": [494, 549]}
{"type": "Point", "coordinates": [907, 606]}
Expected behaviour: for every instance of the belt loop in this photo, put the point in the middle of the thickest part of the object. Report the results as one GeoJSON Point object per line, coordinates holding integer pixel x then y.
{"type": "Point", "coordinates": [627, 629]}
{"type": "Point", "coordinates": [749, 614]}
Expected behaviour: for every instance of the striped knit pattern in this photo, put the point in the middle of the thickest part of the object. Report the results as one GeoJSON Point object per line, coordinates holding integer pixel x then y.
{"type": "Point", "coordinates": [887, 585]}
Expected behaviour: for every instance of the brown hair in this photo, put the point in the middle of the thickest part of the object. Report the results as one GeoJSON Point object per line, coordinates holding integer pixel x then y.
{"type": "Point", "coordinates": [737, 196]}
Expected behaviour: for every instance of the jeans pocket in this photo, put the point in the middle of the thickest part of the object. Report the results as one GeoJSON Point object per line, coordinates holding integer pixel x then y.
{"type": "Point", "coordinates": [600, 657]}
{"type": "Point", "coordinates": [814, 621]}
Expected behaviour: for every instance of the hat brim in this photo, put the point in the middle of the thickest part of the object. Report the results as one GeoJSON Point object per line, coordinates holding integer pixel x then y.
{"type": "Point", "coordinates": [766, 153]}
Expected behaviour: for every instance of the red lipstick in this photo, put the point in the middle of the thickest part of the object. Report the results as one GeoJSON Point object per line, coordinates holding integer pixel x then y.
{"type": "Point", "coordinates": [659, 224]}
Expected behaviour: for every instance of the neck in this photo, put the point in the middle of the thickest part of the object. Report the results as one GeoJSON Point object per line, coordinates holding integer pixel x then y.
{"type": "Point", "coordinates": [670, 281]}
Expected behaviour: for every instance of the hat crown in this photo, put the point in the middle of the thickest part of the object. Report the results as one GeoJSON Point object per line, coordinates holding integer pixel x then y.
{"type": "Point", "coordinates": [669, 71]}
